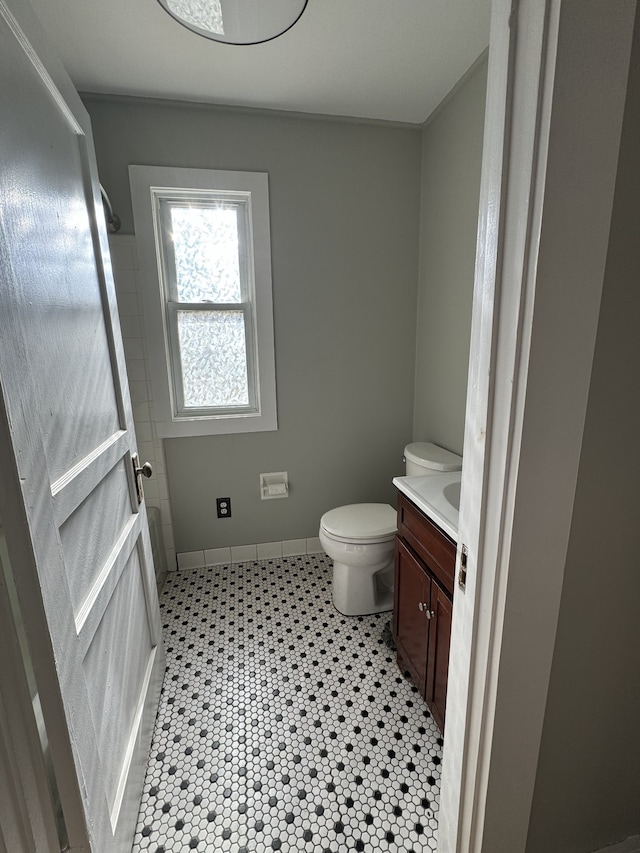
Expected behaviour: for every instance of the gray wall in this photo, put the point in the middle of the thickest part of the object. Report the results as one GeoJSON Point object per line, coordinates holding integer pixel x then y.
{"type": "Point", "coordinates": [451, 161]}
{"type": "Point", "coordinates": [587, 790]}
{"type": "Point", "coordinates": [344, 200]}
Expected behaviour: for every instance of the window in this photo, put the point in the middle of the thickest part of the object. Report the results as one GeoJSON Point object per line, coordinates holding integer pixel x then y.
{"type": "Point", "coordinates": [205, 260]}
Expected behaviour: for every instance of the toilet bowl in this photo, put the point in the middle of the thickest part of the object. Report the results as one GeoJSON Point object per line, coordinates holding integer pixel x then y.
{"type": "Point", "coordinates": [360, 539]}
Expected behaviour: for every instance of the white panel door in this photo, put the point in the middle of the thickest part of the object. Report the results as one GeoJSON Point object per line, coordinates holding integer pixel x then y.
{"type": "Point", "coordinates": [77, 534]}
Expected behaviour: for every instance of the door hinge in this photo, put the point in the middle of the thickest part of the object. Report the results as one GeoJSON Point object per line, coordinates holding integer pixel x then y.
{"type": "Point", "coordinates": [462, 573]}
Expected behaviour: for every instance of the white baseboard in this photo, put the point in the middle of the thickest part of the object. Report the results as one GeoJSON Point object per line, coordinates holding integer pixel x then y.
{"type": "Point", "coordinates": [244, 553]}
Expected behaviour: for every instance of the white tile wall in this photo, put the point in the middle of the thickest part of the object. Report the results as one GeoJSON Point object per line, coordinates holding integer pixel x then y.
{"type": "Point", "coordinates": [314, 546]}
{"type": "Point", "coordinates": [191, 560]}
{"type": "Point", "coordinates": [269, 550]}
{"type": "Point", "coordinates": [217, 556]}
{"type": "Point", "coordinates": [124, 259]}
{"type": "Point", "coordinates": [243, 553]}
{"type": "Point", "coordinates": [294, 547]}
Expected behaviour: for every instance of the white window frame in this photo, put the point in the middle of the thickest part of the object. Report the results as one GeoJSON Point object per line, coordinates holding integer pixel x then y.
{"type": "Point", "coordinates": [150, 187]}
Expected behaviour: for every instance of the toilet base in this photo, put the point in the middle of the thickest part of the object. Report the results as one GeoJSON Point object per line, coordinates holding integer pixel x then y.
{"type": "Point", "coordinates": [360, 591]}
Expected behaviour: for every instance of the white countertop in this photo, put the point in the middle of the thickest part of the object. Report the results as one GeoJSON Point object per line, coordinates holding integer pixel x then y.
{"type": "Point", "coordinates": [437, 495]}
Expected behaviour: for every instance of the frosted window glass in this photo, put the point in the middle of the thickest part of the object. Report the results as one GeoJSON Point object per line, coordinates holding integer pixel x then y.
{"type": "Point", "coordinates": [206, 14]}
{"type": "Point", "coordinates": [214, 359]}
{"type": "Point", "coordinates": [205, 247]}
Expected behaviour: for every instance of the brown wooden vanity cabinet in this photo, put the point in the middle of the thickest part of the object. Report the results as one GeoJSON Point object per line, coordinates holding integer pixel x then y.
{"type": "Point", "coordinates": [424, 579]}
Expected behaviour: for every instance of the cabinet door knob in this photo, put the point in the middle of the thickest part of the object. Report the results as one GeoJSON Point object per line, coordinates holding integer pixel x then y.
{"type": "Point", "coordinates": [430, 614]}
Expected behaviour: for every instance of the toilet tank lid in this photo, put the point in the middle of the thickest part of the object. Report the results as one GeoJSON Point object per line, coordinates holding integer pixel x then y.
{"type": "Point", "coordinates": [361, 521]}
{"type": "Point", "coordinates": [431, 456]}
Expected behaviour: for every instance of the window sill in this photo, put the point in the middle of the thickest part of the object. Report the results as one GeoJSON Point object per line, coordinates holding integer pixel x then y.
{"type": "Point", "coordinates": [224, 425]}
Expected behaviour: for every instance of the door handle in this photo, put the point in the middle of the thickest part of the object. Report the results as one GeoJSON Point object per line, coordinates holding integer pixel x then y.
{"type": "Point", "coordinates": [146, 470]}
{"type": "Point", "coordinates": [140, 471]}
{"type": "Point", "coordinates": [423, 607]}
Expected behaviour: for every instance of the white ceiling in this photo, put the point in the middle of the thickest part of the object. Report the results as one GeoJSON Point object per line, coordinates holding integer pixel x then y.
{"type": "Point", "coordinates": [393, 60]}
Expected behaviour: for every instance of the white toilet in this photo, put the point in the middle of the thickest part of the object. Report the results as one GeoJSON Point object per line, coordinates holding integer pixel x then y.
{"type": "Point", "coordinates": [359, 538]}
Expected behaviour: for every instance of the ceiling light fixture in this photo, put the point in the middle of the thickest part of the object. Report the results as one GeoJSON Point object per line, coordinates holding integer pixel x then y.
{"type": "Point", "coordinates": [236, 21]}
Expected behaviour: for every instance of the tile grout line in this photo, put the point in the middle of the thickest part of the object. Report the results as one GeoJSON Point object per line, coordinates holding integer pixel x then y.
{"type": "Point", "coordinates": [283, 725]}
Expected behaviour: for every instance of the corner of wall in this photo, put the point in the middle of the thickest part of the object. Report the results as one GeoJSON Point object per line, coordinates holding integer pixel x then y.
{"type": "Point", "coordinates": [124, 260]}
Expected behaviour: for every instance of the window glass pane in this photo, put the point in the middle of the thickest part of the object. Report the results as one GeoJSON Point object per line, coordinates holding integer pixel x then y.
{"type": "Point", "coordinates": [206, 14]}
{"type": "Point", "coordinates": [205, 246]}
{"type": "Point", "coordinates": [214, 358]}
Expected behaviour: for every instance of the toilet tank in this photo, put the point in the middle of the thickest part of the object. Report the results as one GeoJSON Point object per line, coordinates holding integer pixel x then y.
{"type": "Point", "coordinates": [423, 458]}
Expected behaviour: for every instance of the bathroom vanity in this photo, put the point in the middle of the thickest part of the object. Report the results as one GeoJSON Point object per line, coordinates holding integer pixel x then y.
{"type": "Point", "coordinates": [425, 558]}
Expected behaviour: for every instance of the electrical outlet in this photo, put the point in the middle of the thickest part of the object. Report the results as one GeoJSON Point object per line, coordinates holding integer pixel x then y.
{"type": "Point", "coordinates": [223, 507]}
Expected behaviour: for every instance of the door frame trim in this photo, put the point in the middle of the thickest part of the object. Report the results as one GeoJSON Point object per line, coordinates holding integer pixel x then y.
{"type": "Point", "coordinates": [536, 304]}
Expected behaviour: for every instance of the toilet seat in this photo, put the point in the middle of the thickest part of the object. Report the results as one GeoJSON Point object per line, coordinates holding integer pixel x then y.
{"type": "Point", "coordinates": [360, 524]}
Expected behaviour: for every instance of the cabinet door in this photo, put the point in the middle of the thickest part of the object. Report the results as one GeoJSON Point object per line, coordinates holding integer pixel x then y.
{"type": "Point", "coordinates": [412, 625]}
{"type": "Point", "coordinates": [438, 654]}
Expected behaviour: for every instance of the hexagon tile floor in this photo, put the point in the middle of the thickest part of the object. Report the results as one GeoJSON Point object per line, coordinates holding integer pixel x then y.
{"type": "Point", "coordinates": [283, 725]}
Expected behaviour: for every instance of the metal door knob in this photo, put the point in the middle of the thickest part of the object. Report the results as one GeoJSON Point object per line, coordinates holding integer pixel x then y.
{"type": "Point", "coordinates": [146, 470]}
